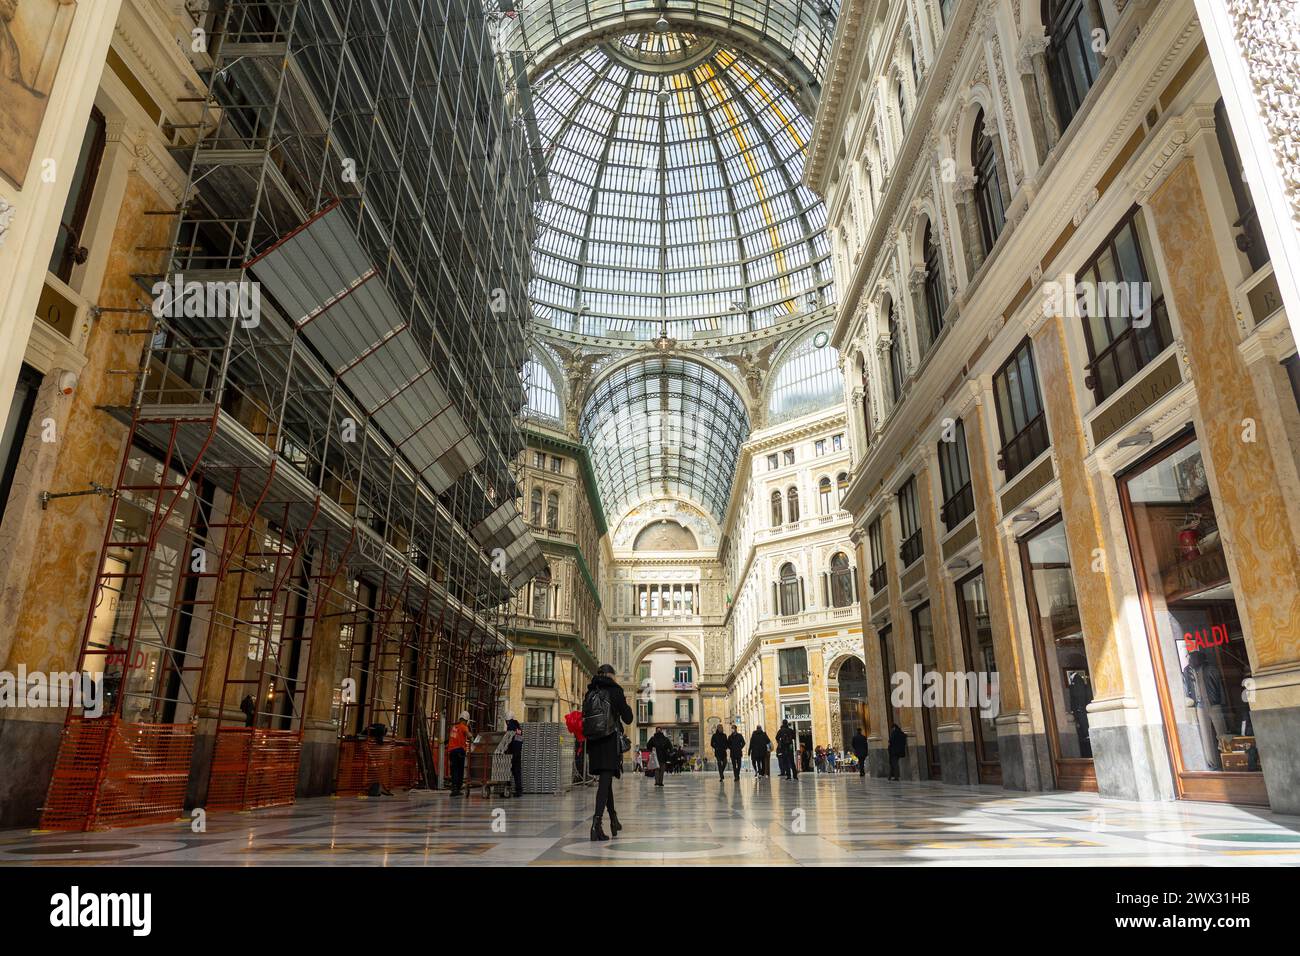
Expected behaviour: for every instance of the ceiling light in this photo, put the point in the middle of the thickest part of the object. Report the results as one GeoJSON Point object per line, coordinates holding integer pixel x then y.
{"type": "Point", "coordinates": [661, 25]}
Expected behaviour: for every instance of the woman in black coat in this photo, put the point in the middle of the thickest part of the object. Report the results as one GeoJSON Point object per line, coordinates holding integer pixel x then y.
{"type": "Point", "coordinates": [759, 744]}
{"type": "Point", "coordinates": [736, 744]}
{"type": "Point", "coordinates": [719, 743]}
{"type": "Point", "coordinates": [605, 756]}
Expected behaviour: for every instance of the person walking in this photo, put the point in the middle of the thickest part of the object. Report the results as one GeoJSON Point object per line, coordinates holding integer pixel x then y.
{"type": "Point", "coordinates": [719, 743]}
{"type": "Point", "coordinates": [515, 748]}
{"type": "Point", "coordinates": [736, 744]}
{"type": "Point", "coordinates": [897, 749]}
{"type": "Point", "coordinates": [661, 746]}
{"type": "Point", "coordinates": [604, 712]}
{"type": "Point", "coordinates": [785, 756]}
{"type": "Point", "coordinates": [759, 745]}
{"type": "Point", "coordinates": [859, 745]}
{"type": "Point", "coordinates": [457, 750]}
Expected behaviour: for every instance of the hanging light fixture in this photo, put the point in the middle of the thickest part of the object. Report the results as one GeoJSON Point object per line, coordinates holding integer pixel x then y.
{"type": "Point", "coordinates": [662, 25]}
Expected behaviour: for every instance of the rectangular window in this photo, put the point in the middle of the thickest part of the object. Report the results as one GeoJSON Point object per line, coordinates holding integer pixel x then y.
{"type": "Point", "coordinates": [820, 446]}
{"type": "Point", "coordinates": [682, 677]}
{"type": "Point", "coordinates": [837, 443]}
{"type": "Point", "coordinates": [793, 666]}
{"type": "Point", "coordinates": [909, 519]}
{"type": "Point", "coordinates": [557, 465]}
{"type": "Point", "coordinates": [789, 456]}
{"type": "Point", "coordinates": [11, 440]}
{"type": "Point", "coordinates": [685, 710]}
{"type": "Point", "coordinates": [540, 669]}
{"type": "Point", "coordinates": [772, 463]}
{"type": "Point", "coordinates": [68, 244]}
{"type": "Point", "coordinates": [954, 475]}
{"type": "Point", "coordinates": [645, 711]}
{"type": "Point", "coordinates": [876, 543]}
{"type": "Point", "coordinates": [1122, 307]}
{"type": "Point", "coordinates": [539, 460]}
{"type": "Point", "coordinates": [1021, 420]}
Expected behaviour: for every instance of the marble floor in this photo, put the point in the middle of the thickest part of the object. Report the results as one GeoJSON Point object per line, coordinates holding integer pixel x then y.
{"type": "Point", "coordinates": [815, 821]}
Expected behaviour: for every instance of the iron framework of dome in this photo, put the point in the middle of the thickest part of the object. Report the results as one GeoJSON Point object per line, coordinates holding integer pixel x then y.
{"type": "Point", "coordinates": [674, 165]}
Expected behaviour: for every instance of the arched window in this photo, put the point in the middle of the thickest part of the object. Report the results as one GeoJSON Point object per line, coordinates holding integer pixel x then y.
{"type": "Point", "coordinates": [535, 511]}
{"type": "Point", "coordinates": [553, 511]}
{"type": "Point", "coordinates": [936, 294]}
{"type": "Point", "coordinates": [895, 354]}
{"type": "Point", "coordinates": [542, 595]}
{"type": "Point", "coordinates": [791, 591]}
{"type": "Point", "coordinates": [1072, 62]}
{"type": "Point", "coordinates": [916, 73]}
{"type": "Point", "coordinates": [841, 580]}
{"type": "Point", "coordinates": [824, 496]}
{"type": "Point", "coordinates": [988, 184]}
{"type": "Point", "coordinates": [902, 107]}
{"type": "Point", "coordinates": [792, 504]}
{"type": "Point", "coordinates": [807, 379]}
{"type": "Point", "coordinates": [842, 486]}
{"type": "Point", "coordinates": [543, 398]}
{"type": "Point", "coordinates": [776, 509]}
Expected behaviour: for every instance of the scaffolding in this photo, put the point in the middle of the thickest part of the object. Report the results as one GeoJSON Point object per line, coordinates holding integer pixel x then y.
{"type": "Point", "coordinates": [324, 423]}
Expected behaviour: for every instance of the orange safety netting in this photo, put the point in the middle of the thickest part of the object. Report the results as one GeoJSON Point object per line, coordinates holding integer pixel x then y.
{"type": "Point", "coordinates": [254, 768]}
{"type": "Point", "coordinates": [362, 762]}
{"type": "Point", "coordinates": [115, 774]}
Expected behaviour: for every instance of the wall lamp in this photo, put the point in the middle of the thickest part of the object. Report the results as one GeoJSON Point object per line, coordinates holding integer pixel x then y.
{"type": "Point", "coordinates": [1137, 439]}
{"type": "Point", "coordinates": [1028, 515]}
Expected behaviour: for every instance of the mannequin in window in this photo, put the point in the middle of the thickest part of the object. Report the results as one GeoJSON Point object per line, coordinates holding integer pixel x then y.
{"type": "Point", "coordinates": [1204, 691]}
{"type": "Point", "coordinates": [1080, 698]}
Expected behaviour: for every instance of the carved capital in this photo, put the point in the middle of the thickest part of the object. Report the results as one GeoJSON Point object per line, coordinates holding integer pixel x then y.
{"type": "Point", "coordinates": [7, 212]}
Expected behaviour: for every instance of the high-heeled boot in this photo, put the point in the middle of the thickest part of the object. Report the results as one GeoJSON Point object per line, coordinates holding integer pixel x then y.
{"type": "Point", "coordinates": [614, 825]}
{"type": "Point", "coordinates": [597, 833]}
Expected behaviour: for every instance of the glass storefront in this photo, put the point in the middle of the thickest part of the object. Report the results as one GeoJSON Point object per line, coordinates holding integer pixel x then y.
{"type": "Point", "coordinates": [977, 642]}
{"type": "Point", "coordinates": [923, 634]}
{"type": "Point", "coordinates": [1063, 672]}
{"type": "Point", "coordinates": [887, 668]}
{"type": "Point", "coordinates": [1197, 643]}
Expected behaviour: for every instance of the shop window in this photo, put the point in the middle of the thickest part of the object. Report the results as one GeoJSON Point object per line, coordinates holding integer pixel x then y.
{"type": "Point", "coordinates": [1072, 63]}
{"type": "Point", "coordinates": [1063, 672]}
{"type": "Point", "coordinates": [1198, 645]}
{"type": "Point", "coordinates": [1022, 422]}
{"type": "Point", "coordinates": [954, 475]}
{"type": "Point", "coordinates": [69, 246]}
{"type": "Point", "coordinates": [539, 669]}
{"type": "Point", "coordinates": [909, 518]}
{"type": "Point", "coordinates": [16, 422]}
{"type": "Point", "coordinates": [923, 639]}
{"type": "Point", "coordinates": [988, 184]}
{"type": "Point", "coordinates": [1122, 306]}
{"type": "Point", "coordinates": [887, 669]}
{"type": "Point", "coordinates": [792, 666]}
{"type": "Point", "coordinates": [977, 642]}
{"type": "Point", "coordinates": [876, 544]}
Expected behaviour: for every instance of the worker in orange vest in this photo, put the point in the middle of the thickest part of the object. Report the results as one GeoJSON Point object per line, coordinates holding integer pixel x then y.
{"type": "Point", "coordinates": [458, 743]}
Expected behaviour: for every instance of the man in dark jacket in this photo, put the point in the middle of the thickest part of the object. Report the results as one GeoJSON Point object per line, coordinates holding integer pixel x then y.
{"type": "Point", "coordinates": [759, 745]}
{"type": "Point", "coordinates": [859, 745]}
{"type": "Point", "coordinates": [605, 755]}
{"type": "Point", "coordinates": [661, 745]}
{"type": "Point", "coordinates": [515, 748]}
{"type": "Point", "coordinates": [736, 744]}
{"type": "Point", "coordinates": [719, 743]}
{"type": "Point", "coordinates": [897, 749]}
{"type": "Point", "coordinates": [785, 751]}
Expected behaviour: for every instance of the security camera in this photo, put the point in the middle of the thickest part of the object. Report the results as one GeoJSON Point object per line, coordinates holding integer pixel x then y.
{"type": "Point", "coordinates": [67, 382]}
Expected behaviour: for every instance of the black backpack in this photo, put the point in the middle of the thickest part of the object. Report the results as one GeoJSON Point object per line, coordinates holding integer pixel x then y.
{"type": "Point", "coordinates": [598, 714]}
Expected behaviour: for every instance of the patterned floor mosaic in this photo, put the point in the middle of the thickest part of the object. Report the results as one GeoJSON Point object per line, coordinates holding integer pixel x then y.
{"type": "Point", "coordinates": [695, 820]}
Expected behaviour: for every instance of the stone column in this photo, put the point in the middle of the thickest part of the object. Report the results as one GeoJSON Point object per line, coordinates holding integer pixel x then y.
{"type": "Point", "coordinates": [1128, 751]}
{"type": "Point", "coordinates": [1032, 66]}
{"type": "Point", "coordinates": [1254, 518]}
{"type": "Point", "coordinates": [902, 644]}
{"type": "Point", "coordinates": [921, 315]}
{"type": "Point", "coordinates": [968, 221]}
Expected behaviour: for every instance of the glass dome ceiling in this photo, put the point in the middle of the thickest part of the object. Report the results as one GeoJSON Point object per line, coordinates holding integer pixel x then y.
{"type": "Point", "coordinates": [676, 204]}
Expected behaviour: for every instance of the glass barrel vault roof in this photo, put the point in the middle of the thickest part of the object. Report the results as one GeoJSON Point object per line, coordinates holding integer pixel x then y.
{"type": "Point", "coordinates": [675, 166]}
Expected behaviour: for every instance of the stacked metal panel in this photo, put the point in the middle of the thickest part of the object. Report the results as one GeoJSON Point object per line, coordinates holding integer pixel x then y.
{"type": "Point", "coordinates": [547, 758]}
